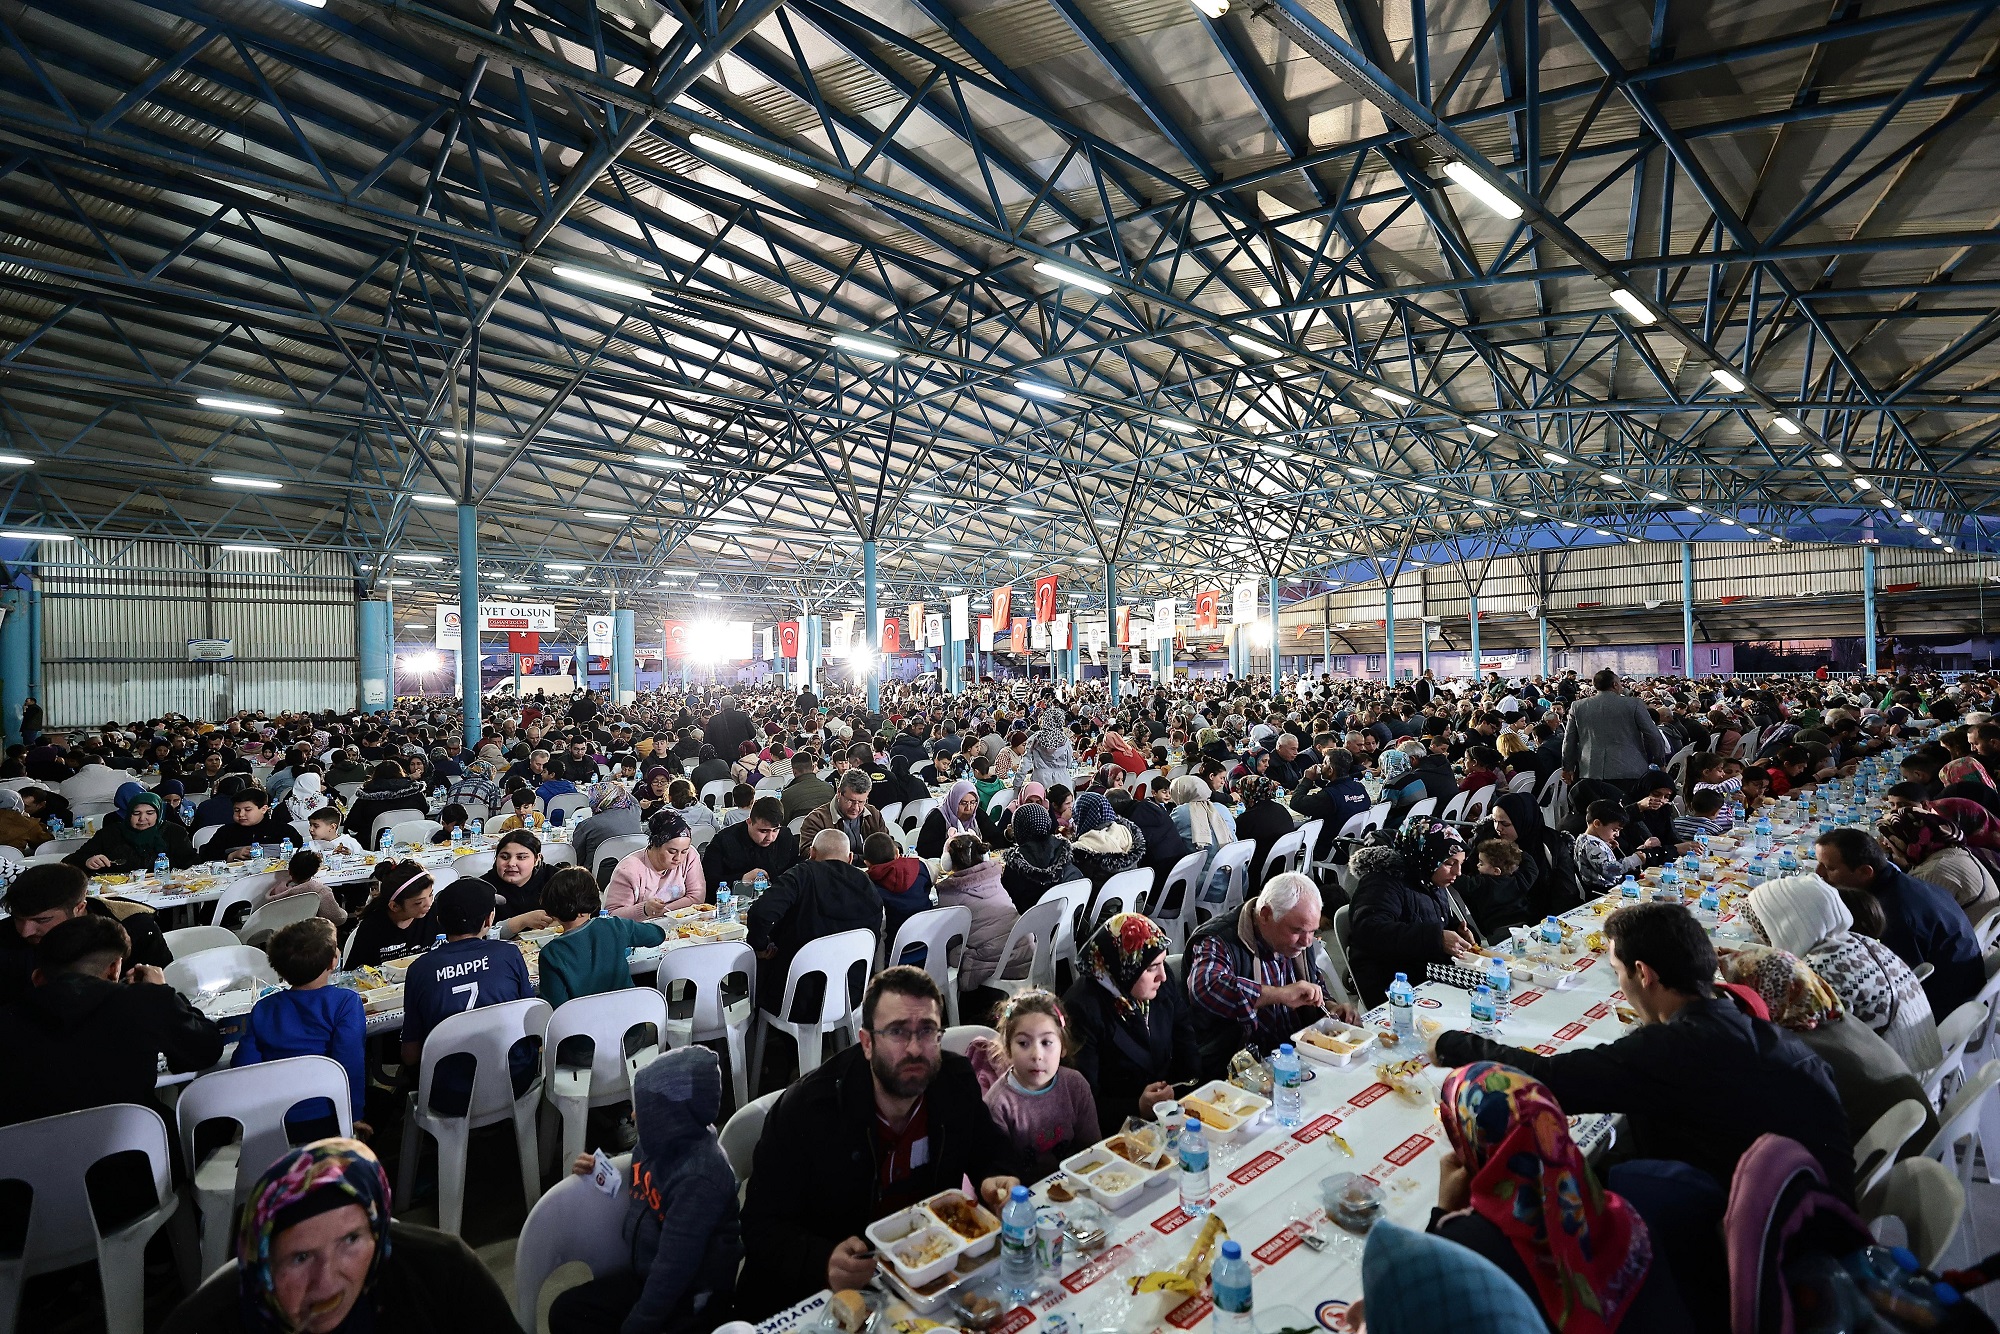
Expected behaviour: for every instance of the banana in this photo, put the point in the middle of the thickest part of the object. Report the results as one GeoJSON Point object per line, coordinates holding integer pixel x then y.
{"type": "Point", "coordinates": [1189, 1275]}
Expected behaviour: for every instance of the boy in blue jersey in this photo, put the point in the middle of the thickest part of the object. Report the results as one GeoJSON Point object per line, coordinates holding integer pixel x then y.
{"type": "Point", "coordinates": [464, 973]}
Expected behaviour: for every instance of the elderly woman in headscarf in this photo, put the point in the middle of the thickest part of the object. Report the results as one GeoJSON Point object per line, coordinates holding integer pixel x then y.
{"type": "Point", "coordinates": [1204, 822]}
{"type": "Point", "coordinates": [1131, 1028]}
{"type": "Point", "coordinates": [1932, 847]}
{"type": "Point", "coordinates": [613, 814]}
{"type": "Point", "coordinates": [959, 813]}
{"type": "Point", "coordinates": [1402, 917]}
{"type": "Point", "coordinates": [1397, 763]}
{"type": "Point", "coordinates": [1867, 1073]}
{"type": "Point", "coordinates": [653, 793]}
{"type": "Point", "coordinates": [18, 829]}
{"type": "Point", "coordinates": [1515, 1189]}
{"type": "Point", "coordinates": [1051, 756]}
{"type": "Point", "coordinates": [1106, 842]}
{"type": "Point", "coordinates": [134, 839]}
{"type": "Point", "coordinates": [1038, 860]}
{"type": "Point", "coordinates": [317, 1253]}
{"type": "Point", "coordinates": [1967, 778]}
{"type": "Point", "coordinates": [1804, 916]}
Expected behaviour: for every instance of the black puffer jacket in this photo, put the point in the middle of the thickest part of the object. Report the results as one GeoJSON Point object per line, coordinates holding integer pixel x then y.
{"type": "Point", "coordinates": [1394, 926]}
{"type": "Point", "coordinates": [381, 796]}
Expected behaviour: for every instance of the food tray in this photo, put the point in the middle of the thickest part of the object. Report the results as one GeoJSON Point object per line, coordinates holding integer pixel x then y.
{"type": "Point", "coordinates": [1241, 1109]}
{"type": "Point", "coordinates": [926, 1253]}
{"type": "Point", "coordinates": [1097, 1161]}
{"type": "Point", "coordinates": [381, 1000]}
{"type": "Point", "coordinates": [930, 1298]}
{"type": "Point", "coordinates": [941, 1204]}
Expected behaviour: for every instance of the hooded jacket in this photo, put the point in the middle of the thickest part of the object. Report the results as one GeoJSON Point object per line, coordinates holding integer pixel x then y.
{"type": "Point", "coordinates": [381, 797]}
{"type": "Point", "coordinates": [77, 1042]}
{"type": "Point", "coordinates": [681, 1220]}
{"type": "Point", "coordinates": [1103, 853]}
{"type": "Point", "coordinates": [905, 886]}
{"type": "Point", "coordinates": [1026, 879]}
{"type": "Point", "coordinates": [1394, 926]}
{"type": "Point", "coordinates": [811, 901]}
{"type": "Point", "coordinates": [978, 888]}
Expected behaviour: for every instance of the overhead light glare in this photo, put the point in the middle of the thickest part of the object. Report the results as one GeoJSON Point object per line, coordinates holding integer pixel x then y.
{"type": "Point", "coordinates": [1727, 379]}
{"type": "Point", "coordinates": [36, 535]}
{"type": "Point", "coordinates": [1360, 472]}
{"type": "Point", "coordinates": [243, 405]}
{"type": "Point", "coordinates": [1256, 347]}
{"type": "Point", "coordinates": [417, 558]}
{"type": "Point", "coordinates": [1640, 312]}
{"type": "Point", "coordinates": [1427, 490]}
{"type": "Point", "coordinates": [514, 588]}
{"type": "Point", "coordinates": [565, 567]}
{"type": "Point", "coordinates": [478, 437]}
{"type": "Point", "coordinates": [1483, 504]}
{"type": "Point", "coordinates": [1177, 426]}
{"type": "Point", "coordinates": [1485, 191]}
{"type": "Point", "coordinates": [867, 347]}
{"type": "Point", "coordinates": [250, 548]}
{"type": "Point", "coordinates": [603, 282]}
{"type": "Point", "coordinates": [937, 546]}
{"type": "Point", "coordinates": [1022, 510]}
{"type": "Point", "coordinates": [434, 501]}
{"type": "Point", "coordinates": [1214, 9]}
{"type": "Point", "coordinates": [1786, 424]}
{"type": "Point", "coordinates": [1611, 479]}
{"type": "Point", "coordinates": [1391, 396]}
{"type": "Point", "coordinates": [246, 483]}
{"type": "Point", "coordinates": [1480, 429]}
{"type": "Point", "coordinates": [1072, 278]}
{"type": "Point", "coordinates": [1035, 389]}
{"type": "Point", "coordinates": [1835, 461]}
{"type": "Point", "coordinates": [610, 515]}
{"type": "Point", "coordinates": [708, 143]}
{"type": "Point", "coordinates": [1553, 457]}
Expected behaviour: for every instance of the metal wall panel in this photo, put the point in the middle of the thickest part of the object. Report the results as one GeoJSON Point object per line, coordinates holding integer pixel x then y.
{"type": "Point", "coordinates": [117, 617]}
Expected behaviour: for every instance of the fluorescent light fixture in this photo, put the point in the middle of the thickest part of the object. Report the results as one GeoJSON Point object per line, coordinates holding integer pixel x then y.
{"type": "Point", "coordinates": [247, 483]}
{"type": "Point", "coordinates": [1035, 389]}
{"type": "Point", "coordinates": [565, 566]}
{"type": "Point", "coordinates": [1427, 490]}
{"type": "Point", "coordinates": [1530, 514]}
{"type": "Point", "coordinates": [1390, 395]}
{"type": "Point", "coordinates": [1274, 451]}
{"type": "Point", "coordinates": [603, 282]}
{"type": "Point", "coordinates": [16, 461]}
{"type": "Point", "coordinates": [514, 588]}
{"type": "Point", "coordinates": [1862, 484]}
{"type": "Point", "coordinates": [1214, 9]}
{"type": "Point", "coordinates": [866, 347]}
{"type": "Point", "coordinates": [36, 535]}
{"type": "Point", "coordinates": [1786, 424]}
{"type": "Point", "coordinates": [1567, 524]}
{"type": "Point", "coordinates": [1485, 191]}
{"type": "Point", "coordinates": [1887, 503]}
{"type": "Point", "coordinates": [1640, 312]}
{"type": "Point", "coordinates": [1727, 379]}
{"type": "Point", "coordinates": [1483, 504]}
{"type": "Point", "coordinates": [1925, 531]}
{"type": "Point", "coordinates": [400, 583]}
{"type": "Point", "coordinates": [1103, 522]}
{"type": "Point", "coordinates": [478, 437]}
{"type": "Point", "coordinates": [730, 529]}
{"type": "Point", "coordinates": [557, 578]}
{"type": "Point", "coordinates": [250, 548]}
{"type": "Point", "coordinates": [708, 143]}
{"type": "Point", "coordinates": [1175, 531]}
{"type": "Point", "coordinates": [417, 558]}
{"type": "Point", "coordinates": [1611, 479]}
{"type": "Point", "coordinates": [1655, 495]}
{"type": "Point", "coordinates": [1633, 540]}
{"type": "Point", "coordinates": [954, 588]}
{"type": "Point", "coordinates": [1695, 509]}
{"type": "Point", "coordinates": [1480, 429]}
{"type": "Point", "coordinates": [1554, 457]}
{"type": "Point", "coordinates": [658, 461]}
{"type": "Point", "coordinates": [1176, 425]}
{"type": "Point", "coordinates": [937, 546]}
{"type": "Point", "coordinates": [1021, 510]}
{"type": "Point", "coordinates": [1938, 540]}
{"type": "Point", "coordinates": [1150, 565]}
{"type": "Point", "coordinates": [1256, 347]}
{"type": "Point", "coordinates": [924, 497]}
{"type": "Point", "coordinates": [1724, 518]}
{"type": "Point", "coordinates": [1602, 532]}
{"type": "Point", "coordinates": [241, 405]}
{"type": "Point", "coordinates": [439, 502]}
{"type": "Point", "coordinates": [611, 515]}
{"type": "Point", "coordinates": [1833, 461]}
{"type": "Point", "coordinates": [1754, 532]}
{"type": "Point", "coordinates": [1073, 278]}
{"type": "Point", "coordinates": [1906, 517]}
{"type": "Point", "coordinates": [1362, 473]}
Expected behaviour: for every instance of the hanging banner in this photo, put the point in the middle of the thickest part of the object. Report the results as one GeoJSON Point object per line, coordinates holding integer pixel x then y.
{"type": "Point", "coordinates": [675, 638]}
{"type": "Point", "coordinates": [737, 642]}
{"type": "Point", "coordinates": [1018, 633]}
{"type": "Point", "coordinates": [769, 653]}
{"type": "Point", "coordinates": [934, 630]}
{"type": "Point", "coordinates": [1124, 626]}
{"type": "Point", "coordinates": [1038, 635]}
{"type": "Point", "coordinates": [1003, 609]}
{"type": "Point", "coordinates": [788, 639]}
{"type": "Point", "coordinates": [1207, 608]}
{"type": "Point", "coordinates": [1244, 602]}
{"type": "Point", "coordinates": [1062, 633]}
{"type": "Point", "coordinates": [211, 650]}
{"type": "Point", "coordinates": [986, 634]}
{"type": "Point", "coordinates": [1163, 619]}
{"type": "Point", "coordinates": [843, 631]}
{"type": "Point", "coordinates": [597, 634]}
{"type": "Point", "coordinates": [537, 616]}
{"type": "Point", "coordinates": [1045, 598]}
{"type": "Point", "coordinates": [961, 618]}
{"type": "Point", "coordinates": [892, 635]}
{"type": "Point", "coordinates": [524, 642]}
{"type": "Point", "coordinates": [917, 625]}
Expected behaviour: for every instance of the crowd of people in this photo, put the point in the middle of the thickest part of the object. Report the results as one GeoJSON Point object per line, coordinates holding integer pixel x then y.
{"type": "Point", "coordinates": [1815, 1031]}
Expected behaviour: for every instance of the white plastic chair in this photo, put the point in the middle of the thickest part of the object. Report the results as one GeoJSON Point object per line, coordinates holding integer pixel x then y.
{"type": "Point", "coordinates": [720, 790]}
{"type": "Point", "coordinates": [51, 1156]}
{"type": "Point", "coordinates": [892, 813]}
{"type": "Point", "coordinates": [700, 836]}
{"type": "Point", "coordinates": [1987, 929]}
{"type": "Point", "coordinates": [473, 864]}
{"type": "Point", "coordinates": [1279, 857]}
{"type": "Point", "coordinates": [1929, 1202]}
{"type": "Point", "coordinates": [1308, 841]}
{"type": "Point", "coordinates": [1957, 1030]}
{"type": "Point", "coordinates": [1039, 925]}
{"type": "Point", "coordinates": [959, 1037]}
{"type": "Point", "coordinates": [1336, 948]}
{"type": "Point", "coordinates": [1454, 810]}
{"type": "Point", "coordinates": [1072, 894]}
{"type": "Point", "coordinates": [1960, 1123]}
{"type": "Point", "coordinates": [1420, 809]}
{"type": "Point", "coordinates": [704, 968]}
{"type": "Point", "coordinates": [1123, 892]}
{"type": "Point", "coordinates": [276, 915]}
{"type": "Point", "coordinates": [194, 939]}
{"type": "Point", "coordinates": [244, 890]}
{"type": "Point", "coordinates": [256, 1098]}
{"type": "Point", "coordinates": [615, 850]}
{"type": "Point", "coordinates": [488, 1034]}
{"type": "Point", "coordinates": [607, 1019]}
{"type": "Point", "coordinates": [916, 812]}
{"type": "Point", "coordinates": [562, 807]}
{"type": "Point", "coordinates": [796, 823]}
{"type": "Point", "coordinates": [741, 1132]}
{"type": "Point", "coordinates": [347, 791]}
{"type": "Point", "coordinates": [994, 804]}
{"type": "Point", "coordinates": [1232, 861]}
{"type": "Point", "coordinates": [1172, 909]}
{"type": "Point", "coordinates": [212, 972]}
{"type": "Point", "coordinates": [833, 957]}
{"type": "Point", "coordinates": [1479, 803]}
{"type": "Point", "coordinates": [943, 933]}
{"type": "Point", "coordinates": [200, 838]}
{"type": "Point", "coordinates": [575, 1223]}
{"type": "Point", "coordinates": [414, 831]}
{"type": "Point", "coordinates": [1875, 1152]}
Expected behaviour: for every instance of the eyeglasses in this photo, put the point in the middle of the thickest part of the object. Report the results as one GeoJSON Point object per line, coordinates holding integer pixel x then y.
{"type": "Point", "coordinates": [926, 1035]}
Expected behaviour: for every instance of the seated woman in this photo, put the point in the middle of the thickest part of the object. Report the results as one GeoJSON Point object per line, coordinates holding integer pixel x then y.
{"type": "Point", "coordinates": [1402, 917]}
{"type": "Point", "coordinates": [1204, 822]}
{"type": "Point", "coordinates": [317, 1253]}
{"type": "Point", "coordinates": [1105, 843]}
{"type": "Point", "coordinates": [959, 813]}
{"type": "Point", "coordinates": [134, 840]}
{"type": "Point", "coordinates": [972, 882]}
{"type": "Point", "coordinates": [517, 875]}
{"type": "Point", "coordinates": [1932, 847]}
{"type": "Point", "coordinates": [1133, 1031]}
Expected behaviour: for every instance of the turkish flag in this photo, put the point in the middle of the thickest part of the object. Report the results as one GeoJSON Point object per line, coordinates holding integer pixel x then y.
{"type": "Point", "coordinates": [1124, 627]}
{"type": "Point", "coordinates": [675, 638]}
{"type": "Point", "coordinates": [1003, 609]}
{"type": "Point", "coordinates": [892, 635]}
{"type": "Point", "coordinates": [524, 642]}
{"type": "Point", "coordinates": [1207, 605]}
{"type": "Point", "coordinates": [788, 639]}
{"type": "Point", "coordinates": [1045, 598]}
{"type": "Point", "coordinates": [1020, 633]}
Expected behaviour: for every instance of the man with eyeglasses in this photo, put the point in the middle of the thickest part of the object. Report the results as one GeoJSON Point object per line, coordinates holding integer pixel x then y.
{"type": "Point", "coordinates": [878, 1127]}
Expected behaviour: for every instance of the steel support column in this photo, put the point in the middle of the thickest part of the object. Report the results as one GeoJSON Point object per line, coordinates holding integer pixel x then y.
{"type": "Point", "coordinates": [468, 622]}
{"type": "Point", "coordinates": [1868, 606]}
{"type": "Point", "coordinates": [1389, 632]}
{"type": "Point", "coordinates": [624, 654]}
{"type": "Point", "coordinates": [874, 627]}
{"type": "Point", "coordinates": [372, 649]}
{"type": "Point", "coordinates": [16, 654]}
{"type": "Point", "coordinates": [1687, 610]}
{"type": "Point", "coordinates": [1274, 634]}
{"type": "Point", "coordinates": [1113, 652]}
{"type": "Point", "coordinates": [1474, 618]}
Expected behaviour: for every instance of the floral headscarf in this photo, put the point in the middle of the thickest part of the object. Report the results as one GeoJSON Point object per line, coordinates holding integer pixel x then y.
{"type": "Point", "coordinates": [665, 826]}
{"type": "Point", "coordinates": [1795, 995]}
{"type": "Point", "coordinates": [1918, 833]}
{"type": "Point", "coordinates": [1394, 763]}
{"type": "Point", "coordinates": [1254, 789]}
{"type": "Point", "coordinates": [1425, 845]}
{"type": "Point", "coordinates": [609, 796]}
{"type": "Point", "coordinates": [1124, 947]}
{"type": "Point", "coordinates": [308, 1181]}
{"type": "Point", "coordinates": [1586, 1249]}
{"type": "Point", "coordinates": [1965, 769]}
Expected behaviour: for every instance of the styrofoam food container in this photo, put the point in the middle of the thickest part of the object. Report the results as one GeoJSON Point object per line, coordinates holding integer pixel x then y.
{"type": "Point", "coordinates": [1250, 1104]}
{"type": "Point", "coordinates": [1363, 1039]}
{"type": "Point", "coordinates": [936, 1267]}
{"type": "Point", "coordinates": [1098, 1160]}
{"type": "Point", "coordinates": [981, 1246]}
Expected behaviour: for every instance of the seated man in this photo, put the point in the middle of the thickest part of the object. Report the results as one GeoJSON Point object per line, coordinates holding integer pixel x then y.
{"type": "Point", "coordinates": [467, 972]}
{"type": "Point", "coordinates": [807, 789]}
{"type": "Point", "coordinates": [758, 843]}
{"type": "Point", "coordinates": [850, 811]}
{"type": "Point", "coordinates": [876, 1128]}
{"type": "Point", "coordinates": [43, 898]}
{"type": "Point", "coordinates": [1699, 1080]}
{"type": "Point", "coordinates": [814, 899]}
{"type": "Point", "coordinates": [252, 820]}
{"type": "Point", "coordinates": [1922, 921]}
{"type": "Point", "coordinates": [1250, 975]}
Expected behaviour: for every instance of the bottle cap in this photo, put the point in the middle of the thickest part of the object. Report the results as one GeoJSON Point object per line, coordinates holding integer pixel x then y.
{"type": "Point", "coordinates": [1018, 1194]}
{"type": "Point", "coordinates": [1232, 1250]}
{"type": "Point", "coordinates": [1285, 1049]}
{"type": "Point", "coordinates": [1402, 977]}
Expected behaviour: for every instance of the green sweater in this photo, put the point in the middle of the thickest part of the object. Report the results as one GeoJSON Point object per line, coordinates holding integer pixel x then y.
{"type": "Point", "coordinates": [591, 959]}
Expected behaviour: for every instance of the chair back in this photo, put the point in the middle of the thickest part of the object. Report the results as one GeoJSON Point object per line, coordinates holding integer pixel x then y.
{"type": "Point", "coordinates": [1172, 909]}
{"type": "Point", "coordinates": [212, 972]}
{"type": "Point", "coordinates": [1454, 810]}
{"type": "Point", "coordinates": [1954, 1035]}
{"type": "Point", "coordinates": [51, 1157]}
{"type": "Point", "coordinates": [834, 957]}
{"type": "Point", "coordinates": [1072, 894]}
{"type": "Point", "coordinates": [574, 1223]}
{"type": "Point", "coordinates": [705, 968]}
{"type": "Point", "coordinates": [473, 864]}
{"type": "Point", "coordinates": [488, 1034]}
{"type": "Point", "coordinates": [418, 832]}
{"type": "Point", "coordinates": [1420, 809]}
{"type": "Point", "coordinates": [1308, 841]}
{"type": "Point", "coordinates": [199, 838]}
{"type": "Point", "coordinates": [1124, 892]}
{"type": "Point", "coordinates": [612, 851]}
{"type": "Point", "coordinates": [796, 823]}
{"type": "Point", "coordinates": [703, 835]}
{"type": "Point", "coordinates": [719, 789]}
{"type": "Point", "coordinates": [238, 893]}
{"type": "Point", "coordinates": [1987, 930]}
{"type": "Point", "coordinates": [1039, 924]}
{"type": "Point", "coordinates": [1958, 1124]}
{"type": "Point", "coordinates": [741, 1132]}
{"type": "Point", "coordinates": [1480, 802]}
{"type": "Point", "coordinates": [194, 939]}
{"type": "Point", "coordinates": [994, 804]}
{"type": "Point", "coordinates": [892, 813]}
{"type": "Point", "coordinates": [1279, 858]}
{"type": "Point", "coordinates": [942, 932]}
{"type": "Point", "coordinates": [959, 1037]}
{"type": "Point", "coordinates": [1927, 1198]}
{"type": "Point", "coordinates": [1232, 859]}
{"type": "Point", "coordinates": [609, 1019]}
{"type": "Point", "coordinates": [563, 805]}
{"type": "Point", "coordinates": [347, 791]}
{"type": "Point", "coordinates": [276, 915]}
{"type": "Point", "coordinates": [1876, 1152]}
{"type": "Point", "coordinates": [257, 1098]}
{"type": "Point", "coordinates": [916, 812]}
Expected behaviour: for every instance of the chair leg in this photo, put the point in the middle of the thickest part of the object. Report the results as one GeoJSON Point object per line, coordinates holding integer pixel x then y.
{"type": "Point", "coordinates": [574, 1112]}
{"type": "Point", "coordinates": [121, 1267]}
{"type": "Point", "coordinates": [413, 1145]}
{"type": "Point", "coordinates": [10, 1293]}
{"type": "Point", "coordinates": [528, 1144]}
{"type": "Point", "coordinates": [809, 1038]}
{"type": "Point", "coordinates": [759, 1027]}
{"type": "Point", "coordinates": [213, 1209]}
{"type": "Point", "coordinates": [451, 1135]}
{"type": "Point", "coordinates": [739, 1070]}
{"type": "Point", "coordinates": [950, 1002]}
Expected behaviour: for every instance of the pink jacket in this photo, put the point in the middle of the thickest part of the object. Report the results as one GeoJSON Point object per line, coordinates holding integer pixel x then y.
{"type": "Point", "coordinates": [634, 881]}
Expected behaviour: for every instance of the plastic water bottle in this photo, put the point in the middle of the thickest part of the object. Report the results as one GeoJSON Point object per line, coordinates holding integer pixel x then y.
{"type": "Point", "coordinates": [1629, 891]}
{"type": "Point", "coordinates": [1483, 1021]}
{"type": "Point", "coordinates": [1402, 1005]}
{"type": "Point", "coordinates": [478, 828]}
{"type": "Point", "coordinates": [55, 826]}
{"type": "Point", "coordinates": [1691, 864]}
{"type": "Point", "coordinates": [725, 903]}
{"type": "Point", "coordinates": [1763, 833]}
{"type": "Point", "coordinates": [1501, 983]}
{"type": "Point", "coordinates": [1552, 929]}
{"type": "Point", "coordinates": [161, 866]}
{"type": "Point", "coordinates": [1287, 1087]}
{"type": "Point", "coordinates": [437, 941]}
{"type": "Point", "coordinates": [1195, 1195]}
{"type": "Point", "coordinates": [256, 852]}
{"type": "Point", "coordinates": [1670, 885]}
{"type": "Point", "coordinates": [384, 843]}
{"type": "Point", "coordinates": [285, 850]}
{"type": "Point", "coordinates": [1017, 1243]}
{"type": "Point", "coordinates": [457, 836]}
{"type": "Point", "coordinates": [1710, 902]}
{"type": "Point", "coordinates": [1760, 870]}
{"type": "Point", "coordinates": [1788, 861]}
{"type": "Point", "coordinates": [1230, 1284]}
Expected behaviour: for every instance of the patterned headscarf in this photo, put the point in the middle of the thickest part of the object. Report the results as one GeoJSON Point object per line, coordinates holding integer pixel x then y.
{"type": "Point", "coordinates": [1254, 789]}
{"type": "Point", "coordinates": [952, 823]}
{"type": "Point", "coordinates": [1917, 833]}
{"type": "Point", "coordinates": [308, 1181]}
{"type": "Point", "coordinates": [609, 796]}
{"type": "Point", "coordinates": [1425, 845]}
{"type": "Point", "coordinates": [1965, 769]}
{"type": "Point", "coordinates": [666, 825]}
{"type": "Point", "coordinates": [1795, 995]}
{"type": "Point", "coordinates": [1393, 762]}
{"type": "Point", "coordinates": [1093, 811]}
{"type": "Point", "coordinates": [1586, 1248]}
{"type": "Point", "coordinates": [1124, 947]}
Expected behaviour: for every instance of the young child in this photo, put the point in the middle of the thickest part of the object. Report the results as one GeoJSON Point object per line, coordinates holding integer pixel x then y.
{"type": "Point", "coordinates": [1706, 771]}
{"type": "Point", "coordinates": [741, 798]}
{"type": "Point", "coordinates": [681, 1228]}
{"type": "Point", "coordinates": [1044, 1106]}
{"type": "Point", "coordinates": [311, 1019]}
{"type": "Point", "coordinates": [589, 956]}
{"type": "Point", "coordinates": [327, 837]}
{"type": "Point", "coordinates": [1598, 865]}
{"type": "Point", "coordinates": [903, 882]}
{"type": "Point", "coordinates": [1755, 791]}
{"type": "Point", "coordinates": [453, 816]}
{"type": "Point", "coordinates": [1498, 891]}
{"type": "Point", "coordinates": [525, 815]}
{"type": "Point", "coordinates": [301, 877]}
{"type": "Point", "coordinates": [1704, 816]}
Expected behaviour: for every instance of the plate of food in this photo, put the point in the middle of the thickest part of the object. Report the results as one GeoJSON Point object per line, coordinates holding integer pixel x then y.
{"type": "Point", "coordinates": [1331, 1042]}
{"type": "Point", "coordinates": [1225, 1111]}
{"type": "Point", "coordinates": [928, 1252]}
{"type": "Point", "coordinates": [972, 1223]}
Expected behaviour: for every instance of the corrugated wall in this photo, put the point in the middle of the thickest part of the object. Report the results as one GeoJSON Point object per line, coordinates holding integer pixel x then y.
{"type": "Point", "coordinates": [117, 616]}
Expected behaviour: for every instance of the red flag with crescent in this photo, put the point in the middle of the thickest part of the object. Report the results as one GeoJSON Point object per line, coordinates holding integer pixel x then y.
{"type": "Point", "coordinates": [1207, 607]}
{"type": "Point", "coordinates": [892, 635]}
{"type": "Point", "coordinates": [788, 639]}
{"type": "Point", "coordinates": [675, 633]}
{"type": "Point", "coordinates": [1003, 609]}
{"type": "Point", "coordinates": [1020, 634]}
{"type": "Point", "coordinates": [1045, 598]}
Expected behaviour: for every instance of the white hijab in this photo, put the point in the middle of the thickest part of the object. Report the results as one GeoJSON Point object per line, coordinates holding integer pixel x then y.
{"type": "Point", "coordinates": [1799, 911]}
{"type": "Point", "coordinates": [1193, 792]}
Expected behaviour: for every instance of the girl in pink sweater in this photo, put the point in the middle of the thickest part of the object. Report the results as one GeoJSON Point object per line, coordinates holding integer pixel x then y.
{"type": "Point", "coordinates": [666, 876]}
{"type": "Point", "coordinates": [1044, 1106]}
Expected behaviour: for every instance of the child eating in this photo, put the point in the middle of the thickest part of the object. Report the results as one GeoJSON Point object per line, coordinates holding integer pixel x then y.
{"type": "Point", "coordinates": [1598, 865]}
{"type": "Point", "coordinates": [327, 837]}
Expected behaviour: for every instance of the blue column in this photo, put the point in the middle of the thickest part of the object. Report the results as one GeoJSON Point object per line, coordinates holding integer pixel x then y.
{"type": "Point", "coordinates": [1474, 617]}
{"type": "Point", "coordinates": [468, 621]}
{"type": "Point", "coordinates": [1389, 631]}
{"type": "Point", "coordinates": [517, 674]}
{"type": "Point", "coordinates": [35, 642]}
{"type": "Point", "coordinates": [1423, 644]}
{"type": "Point", "coordinates": [1326, 639]}
{"type": "Point", "coordinates": [1111, 661]}
{"type": "Point", "coordinates": [371, 649]}
{"type": "Point", "coordinates": [1868, 605]}
{"type": "Point", "coordinates": [1687, 610]}
{"type": "Point", "coordinates": [16, 657]}
{"type": "Point", "coordinates": [871, 632]}
{"type": "Point", "coordinates": [1274, 634]}
{"type": "Point", "coordinates": [624, 653]}
{"type": "Point", "coordinates": [1542, 632]}
{"type": "Point", "coordinates": [811, 630]}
